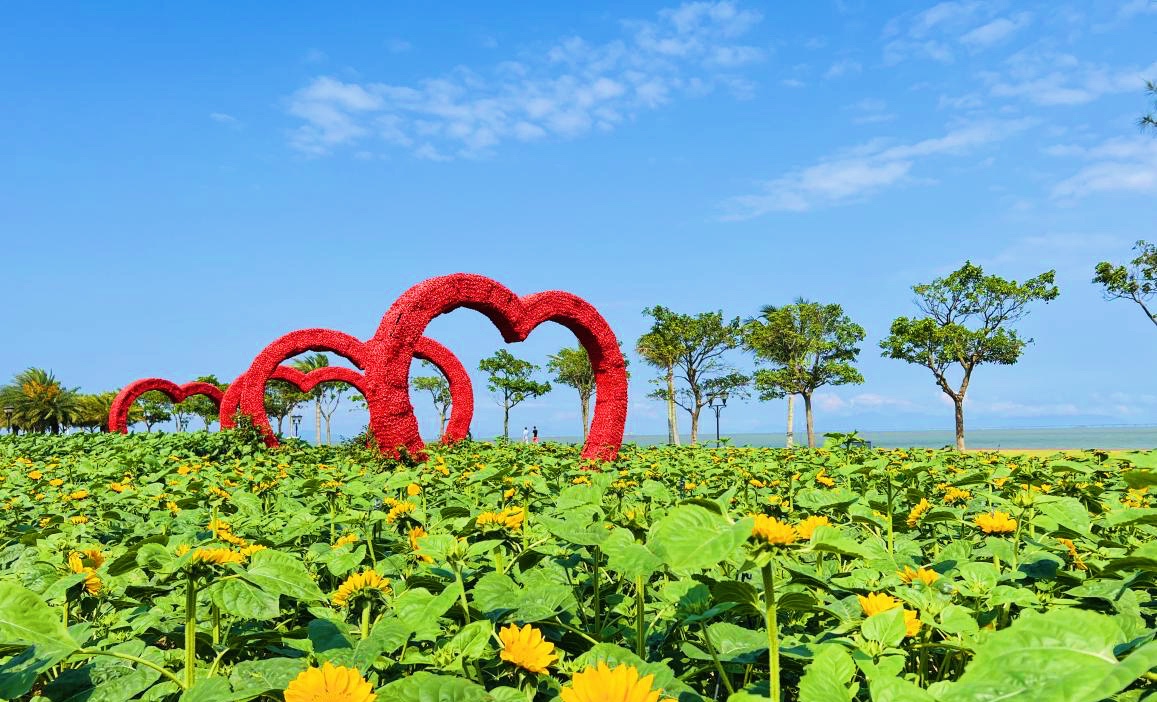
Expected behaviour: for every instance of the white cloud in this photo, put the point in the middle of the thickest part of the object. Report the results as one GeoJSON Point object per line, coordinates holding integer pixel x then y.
{"type": "Point", "coordinates": [573, 88]}
{"type": "Point", "coordinates": [222, 118]}
{"type": "Point", "coordinates": [398, 46]}
{"type": "Point", "coordinates": [870, 111]}
{"type": "Point", "coordinates": [1115, 166]}
{"type": "Point", "coordinates": [1050, 78]}
{"type": "Point", "coordinates": [861, 171]}
{"type": "Point", "coordinates": [835, 404]}
{"type": "Point", "coordinates": [843, 68]}
{"type": "Point", "coordinates": [996, 31]}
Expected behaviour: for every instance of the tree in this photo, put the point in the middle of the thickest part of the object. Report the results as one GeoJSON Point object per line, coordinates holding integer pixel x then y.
{"type": "Point", "coordinates": [155, 407]}
{"type": "Point", "coordinates": [202, 406]}
{"type": "Point", "coordinates": [39, 401]}
{"type": "Point", "coordinates": [281, 398]}
{"type": "Point", "coordinates": [1137, 282]}
{"type": "Point", "coordinates": [92, 411]}
{"type": "Point", "coordinates": [809, 345]}
{"type": "Point", "coordinates": [307, 364]}
{"type": "Point", "coordinates": [572, 367]}
{"type": "Point", "coordinates": [1149, 121]}
{"type": "Point", "coordinates": [698, 344]}
{"type": "Point", "coordinates": [658, 348]}
{"type": "Point", "coordinates": [510, 377]}
{"type": "Point", "coordinates": [967, 322]}
{"type": "Point", "coordinates": [439, 389]}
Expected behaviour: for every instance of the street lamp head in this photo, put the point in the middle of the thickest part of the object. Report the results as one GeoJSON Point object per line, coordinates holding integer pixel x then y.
{"type": "Point", "coordinates": [296, 418]}
{"type": "Point", "coordinates": [724, 398]}
{"type": "Point", "coordinates": [8, 410]}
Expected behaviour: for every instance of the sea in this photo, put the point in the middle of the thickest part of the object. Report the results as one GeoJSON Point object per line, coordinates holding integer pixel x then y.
{"type": "Point", "coordinates": [1095, 437]}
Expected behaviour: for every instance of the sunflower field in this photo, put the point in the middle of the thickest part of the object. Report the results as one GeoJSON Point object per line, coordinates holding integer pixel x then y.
{"type": "Point", "coordinates": [206, 568]}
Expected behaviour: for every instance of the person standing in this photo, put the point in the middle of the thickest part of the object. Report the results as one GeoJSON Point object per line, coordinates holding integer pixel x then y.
{"type": "Point", "coordinates": [525, 435]}
{"type": "Point", "coordinates": [536, 434]}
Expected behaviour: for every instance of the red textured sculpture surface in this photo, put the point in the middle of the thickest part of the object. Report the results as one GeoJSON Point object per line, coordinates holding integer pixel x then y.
{"type": "Point", "coordinates": [388, 352]}
{"type": "Point", "coordinates": [385, 363]}
{"type": "Point", "coordinates": [119, 412]}
{"type": "Point", "coordinates": [266, 367]}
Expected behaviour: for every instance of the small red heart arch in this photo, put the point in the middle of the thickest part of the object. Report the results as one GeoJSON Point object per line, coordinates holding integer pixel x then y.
{"type": "Point", "coordinates": [231, 401]}
{"type": "Point", "coordinates": [266, 367]}
{"type": "Point", "coordinates": [388, 353]}
{"type": "Point", "coordinates": [119, 412]}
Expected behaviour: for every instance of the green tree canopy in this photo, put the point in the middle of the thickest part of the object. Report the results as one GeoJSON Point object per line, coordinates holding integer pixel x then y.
{"type": "Point", "coordinates": [39, 402]}
{"type": "Point", "coordinates": [439, 389]}
{"type": "Point", "coordinates": [1149, 120]}
{"type": "Point", "coordinates": [202, 406]}
{"type": "Point", "coordinates": [698, 344]}
{"type": "Point", "coordinates": [571, 366]}
{"type": "Point", "coordinates": [1136, 282]}
{"type": "Point", "coordinates": [511, 378]}
{"type": "Point", "coordinates": [808, 345]}
{"type": "Point", "coordinates": [152, 408]}
{"type": "Point", "coordinates": [659, 348]}
{"type": "Point", "coordinates": [92, 411]}
{"type": "Point", "coordinates": [281, 398]}
{"type": "Point", "coordinates": [967, 322]}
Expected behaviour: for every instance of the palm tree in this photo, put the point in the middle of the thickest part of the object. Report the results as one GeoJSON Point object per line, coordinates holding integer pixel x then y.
{"type": "Point", "coordinates": [39, 401]}
{"type": "Point", "coordinates": [311, 363]}
{"type": "Point", "coordinates": [92, 411]}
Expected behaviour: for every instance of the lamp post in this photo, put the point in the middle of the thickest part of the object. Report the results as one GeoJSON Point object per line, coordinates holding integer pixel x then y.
{"type": "Point", "coordinates": [8, 417]}
{"type": "Point", "coordinates": [717, 408]}
{"type": "Point", "coordinates": [296, 424]}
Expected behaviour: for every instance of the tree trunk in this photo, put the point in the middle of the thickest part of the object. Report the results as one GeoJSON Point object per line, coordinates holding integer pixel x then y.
{"type": "Point", "coordinates": [790, 440]}
{"type": "Point", "coordinates": [672, 417]}
{"type": "Point", "coordinates": [279, 421]}
{"type": "Point", "coordinates": [441, 424]}
{"type": "Point", "coordinates": [958, 401]}
{"type": "Point", "coordinates": [328, 435]}
{"type": "Point", "coordinates": [317, 419]}
{"type": "Point", "coordinates": [807, 409]}
{"type": "Point", "coordinates": [586, 404]}
{"type": "Point", "coordinates": [506, 422]}
{"type": "Point", "coordinates": [695, 425]}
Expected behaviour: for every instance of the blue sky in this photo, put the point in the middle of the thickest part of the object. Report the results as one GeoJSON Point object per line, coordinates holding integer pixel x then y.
{"type": "Point", "coordinates": [184, 183]}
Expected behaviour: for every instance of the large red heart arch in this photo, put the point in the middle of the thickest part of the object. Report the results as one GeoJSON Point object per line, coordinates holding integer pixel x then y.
{"type": "Point", "coordinates": [119, 412]}
{"type": "Point", "coordinates": [265, 367]}
{"type": "Point", "coordinates": [401, 328]}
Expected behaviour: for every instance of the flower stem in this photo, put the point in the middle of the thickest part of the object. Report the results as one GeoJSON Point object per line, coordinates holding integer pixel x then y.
{"type": "Point", "coordinates": [640, 621]}
{"type": "Point", "coordinates": [772, 628]}
{"type": "Point", "coordinates": [715, 659]}
{"type": "Point", "coordinates": [190, 630]}
{"type": "Point", "coordinates": [365, 624]}
{"type": "Point", "coordinates": [462, 593]}
{"type": "Point", "coordinates": [216, 624]}
{"type": "Point", "coordinates": [134, 659]}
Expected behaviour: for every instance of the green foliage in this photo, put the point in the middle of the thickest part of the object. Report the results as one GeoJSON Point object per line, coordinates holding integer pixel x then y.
{"type": "Point", "coordinates": [967, 323]}
{"type": "Point", "coordinates": [1149, 120]}
{"type": "Point", "coordinates": [439, 389]}
{"type": "Point", "coordinates": [694, 346]}
{"type": "Point", "coordinates": [511, 378]}
{"type": "Point", "coordinates": [1136, 282]}
{"type": "Point", "coordinates": [39, 401]}
{"type": "Point", "coordinates": [201, 406]}
{"type": "Point", "coordinates": [650, 562]}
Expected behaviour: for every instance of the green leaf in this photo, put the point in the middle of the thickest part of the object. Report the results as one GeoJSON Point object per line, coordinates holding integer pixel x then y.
{"type": "Point", "coordinates": [209, 690]}
{"type": "Point", "coordinates": [896, 689]}
{"type": "Point", "coordinates": [282, 574]}
{"type": "Point", "coordinates": [107, 679]}
{"type": "Point", "coordinates": [732, 643]}
{"type": "Point", "coordinates": [1063, 655]}
{"type": "Point", "coordinates": [627, 557]}
{"type": "Point", "coordinates": [428, 687]}
{"type": "Point", "coordinates": [242, 599]}
{"type": "Point", "coordinates": [886, 627]}
{"type": "Point", "coordinates": [691, 537]}
{"type": "Point", "coordinates": [826, 678]}
{"type": "Point", "coordinates": [831, 539]}
{"type": "Point", "coordinates": [420, 611]}
{"type": "Point", "coordinates": [387, 636]}
{"type": "Point", "coordinates": [259, 677]}
{"type": "Point", "coordinates": [25, 620]}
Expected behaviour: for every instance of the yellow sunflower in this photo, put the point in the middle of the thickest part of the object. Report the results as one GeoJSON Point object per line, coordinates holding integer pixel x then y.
{"type": "Point", "coordinates": [807, 526]}
{"type": "Point", "coordinates": [602, 684]}
{"type": "Point", "coordinates": [511, 518]}
{"type": "Point", "coordinates": [772, 531]}
{"type": "Point", "coordinates": [526, 648]}
{"type": "Point", "coordinates": [217, 556]}
{"type": "Point", "coordinates": [924, 575]}
{"type": "Point", "coordinates": [363, 583]}
{"type": "Point", "coordinates": [877, 602]}
{"type": "Point", "coordinates": [330, 683]}
{"type": "Point", "coordinates": [996, 523]}
{"type": "Point", "coordinates": [918, 511]}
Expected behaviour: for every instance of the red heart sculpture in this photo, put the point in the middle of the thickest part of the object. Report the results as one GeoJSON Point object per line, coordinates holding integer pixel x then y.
{"type": "Point", "coordinates": [119, 412]}
{"type": "Point", "coordinates": [264, 368]}
{"type": "Point", "coordinates": [397, 337]}
{"type": "Point", "coordinates": [231, 402]}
